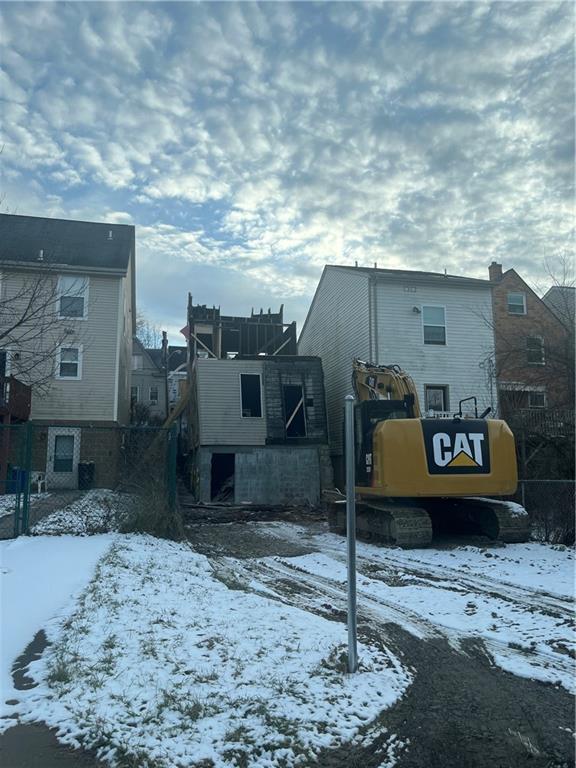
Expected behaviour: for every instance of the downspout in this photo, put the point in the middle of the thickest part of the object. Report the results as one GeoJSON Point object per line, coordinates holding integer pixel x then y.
{"type": "Point", "coordinates": [375, 316]}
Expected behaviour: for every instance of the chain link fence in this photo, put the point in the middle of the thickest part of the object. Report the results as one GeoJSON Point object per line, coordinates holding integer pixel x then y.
{"type": "Point", "coordinates": [46, 468]}
{"type": "Point", "coordinates": [550, 504]}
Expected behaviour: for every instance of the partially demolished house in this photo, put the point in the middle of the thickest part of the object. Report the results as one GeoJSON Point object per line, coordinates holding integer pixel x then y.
{"type": "Point", "coordinates": [258, 430]}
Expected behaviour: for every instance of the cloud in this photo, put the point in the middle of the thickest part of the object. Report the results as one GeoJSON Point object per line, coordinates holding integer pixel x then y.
{"type": "Point", "coordinates": [260, 141]}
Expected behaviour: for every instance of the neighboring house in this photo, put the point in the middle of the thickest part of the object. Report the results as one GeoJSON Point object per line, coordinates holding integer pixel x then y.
{"type": "Point", "coordinates": [74, 349]}
{"type": "Point", "coordinates": [148, 387]}
{"type": "Point", "coordinates": [436, 327]}
{"type": "Point", "coordinates": [534, 344]}
{"type": "Point", "coordinates": [177, 371]}
{"type": "Point", "coordinates": [561, 299]}
{"type": "Point", "coordinates": [257, 422]}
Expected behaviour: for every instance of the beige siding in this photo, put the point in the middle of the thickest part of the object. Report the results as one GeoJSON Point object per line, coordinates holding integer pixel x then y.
{"type": "Point", "coordinates": [462, 363]}
{"type": "Point", "coordinates": [337, 329]}
{"type": "Point", "coordinates": [219, 405]}
{"type": "Point", "coordinates": [92, 397]}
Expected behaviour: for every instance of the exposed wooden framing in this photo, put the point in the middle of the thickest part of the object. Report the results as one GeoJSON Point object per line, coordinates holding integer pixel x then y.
{"type": "Point", "coordinates": [197, 340]}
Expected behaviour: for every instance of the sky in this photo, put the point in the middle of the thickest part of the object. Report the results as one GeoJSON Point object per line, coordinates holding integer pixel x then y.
{"type": "Point", "coordinates": [252, 143]}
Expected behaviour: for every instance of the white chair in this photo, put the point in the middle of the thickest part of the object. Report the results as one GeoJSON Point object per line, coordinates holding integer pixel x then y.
{"type": "Point", "coordinates": [38, 480]}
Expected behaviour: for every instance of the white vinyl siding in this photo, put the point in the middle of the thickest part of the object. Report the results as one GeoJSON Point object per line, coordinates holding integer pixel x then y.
{"type": "Point", "coordinates": [461, 364]}
{"type": "Point", "coordinates": [337, 330]}
{"type": "Point", "coordinates": [219, 403]}
{"type": "Point", "coordinates": [380, 324]}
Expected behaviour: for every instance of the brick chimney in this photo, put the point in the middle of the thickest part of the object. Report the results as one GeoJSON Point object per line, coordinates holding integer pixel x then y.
{"type": "Point", "coordinates": [495, 272]}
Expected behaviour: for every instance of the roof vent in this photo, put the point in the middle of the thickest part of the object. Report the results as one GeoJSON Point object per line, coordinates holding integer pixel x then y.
{"type": "Point", "coordinates": [41, 254]}
{"type": "Point", "coordinates": [109, 234]}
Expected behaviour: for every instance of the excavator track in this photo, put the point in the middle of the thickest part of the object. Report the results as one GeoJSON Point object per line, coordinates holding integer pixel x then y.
{"type": "Point", "coordinates": [410, 526]}
{"type": "Point", "coordinates": [404, 525]}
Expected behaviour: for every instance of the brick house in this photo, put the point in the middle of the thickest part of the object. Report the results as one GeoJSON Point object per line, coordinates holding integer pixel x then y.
{"type": "Point", "coordinates": [534, 359]}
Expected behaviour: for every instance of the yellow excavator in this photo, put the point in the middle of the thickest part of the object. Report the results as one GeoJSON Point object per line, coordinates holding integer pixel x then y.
{"type": "Point", "coordinates": [417, 475]}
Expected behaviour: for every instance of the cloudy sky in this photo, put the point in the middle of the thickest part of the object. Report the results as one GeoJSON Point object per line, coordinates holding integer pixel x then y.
{"type": "Point", "coordinates": [253, 143]}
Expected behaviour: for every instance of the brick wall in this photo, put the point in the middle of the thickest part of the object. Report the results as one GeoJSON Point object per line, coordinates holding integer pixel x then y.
{"type": "Point", "coordinates": [511, 332]}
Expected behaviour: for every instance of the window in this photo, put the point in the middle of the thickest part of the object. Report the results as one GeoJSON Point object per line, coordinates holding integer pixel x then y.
{"type": "Point", "coordinates": [134, 395]}
{"type": "Point", "coordinates": [516, 303]}
{"type": "Point", "coordinates": [69, 363]}
{"type": "Point", "coordinates": [63, 453]}
{"type": "Point", "coordinates": [436, 398]}
{"type": "Point", "coordinates": [434, 323]}
{"type": "Point", "coordinates": [137, 362]}
{"type": "Point", "coordinates": [154, 395]}
{"type": "Point", "coordinates": [535, 350]}
{"type": "Point", "coordinates": [536, 400]}
{"type": "Point", "coordinates": [251, 395]}
{"type": "Point", "coordinates": [294, 416]}
{"type": "Point", "coordinates": [72, 296]}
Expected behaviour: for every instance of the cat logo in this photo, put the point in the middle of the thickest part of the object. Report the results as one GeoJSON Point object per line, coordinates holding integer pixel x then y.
{"type": "Point", "coordinates": [456, 447]}
{"type": "Point", "coordinates": [465, 451]}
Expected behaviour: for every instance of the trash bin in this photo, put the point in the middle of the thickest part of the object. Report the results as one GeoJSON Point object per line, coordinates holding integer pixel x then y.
{"type": "Point", "coordinates": [86, 472]}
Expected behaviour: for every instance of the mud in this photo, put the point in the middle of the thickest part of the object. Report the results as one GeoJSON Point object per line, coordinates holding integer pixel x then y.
{"type": "Point", "coordinates": [461, 711]}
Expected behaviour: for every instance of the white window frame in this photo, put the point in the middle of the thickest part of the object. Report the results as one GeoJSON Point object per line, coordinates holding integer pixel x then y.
{"type": "Point", "coordinates": [446, 392]}
{"type": "Point", "coordinates": [541, 340]}
{"type": "Point", "coordinates": [137, 388]}
{"type": "Point", "coordinates": [79, 362]}
{"type": "Point", "coordinates": [435, 325]}
{"type": "Point", "coordinates": [86, 283]}
{"type": "Point", "coordinates": [516, 293]}
{"type": "Point", "coordinates": [249, 373]}
{"type": "Point", "coordinates": [157, 388]}
{"type": "Point", "coordinates": [536, 392]}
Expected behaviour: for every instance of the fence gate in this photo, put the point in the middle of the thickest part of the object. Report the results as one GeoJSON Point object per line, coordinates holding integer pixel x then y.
{"type": "Point", "coordinates": [15, 466]}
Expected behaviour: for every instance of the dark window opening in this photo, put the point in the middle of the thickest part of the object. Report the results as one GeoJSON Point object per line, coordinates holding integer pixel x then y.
{"type": "Point", "coordinates": [251, 395]}
{"type": "Point", "coordinates": [294, 416]}
{"type": "Point", "coordinates": [222, 477]}
{"type": "Point", "coordinates": [436, 398]}
{"type": "Point", "coordinates": [63, 453]}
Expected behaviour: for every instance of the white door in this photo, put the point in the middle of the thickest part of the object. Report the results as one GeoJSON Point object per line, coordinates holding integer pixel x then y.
{"type": "Point", "coordinates": [63, 457]}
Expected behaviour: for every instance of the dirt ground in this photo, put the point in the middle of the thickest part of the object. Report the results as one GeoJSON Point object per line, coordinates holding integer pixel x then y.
{"type": "Point", "coordinates": [461, 711]}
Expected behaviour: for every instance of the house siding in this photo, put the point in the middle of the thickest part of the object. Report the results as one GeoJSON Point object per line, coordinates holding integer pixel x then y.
{"type": "Point", "coordinates": [92, 397]}
{"type": "Point", "coordinates": [219, 403]}
{"type": "Point", "coordinates": [337, 329]}
{"type": "Point", "coordinates": [462, 364]}
{"type": "Point", "coordinates": [358, 315]}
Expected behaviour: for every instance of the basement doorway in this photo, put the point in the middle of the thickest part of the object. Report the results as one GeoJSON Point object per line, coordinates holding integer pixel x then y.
{"type": "Point", "coordinates": [222, 477]}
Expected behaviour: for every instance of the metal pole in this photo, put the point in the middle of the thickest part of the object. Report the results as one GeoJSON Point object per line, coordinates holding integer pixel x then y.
{"type": "Point", "coordinates": [351, 533]}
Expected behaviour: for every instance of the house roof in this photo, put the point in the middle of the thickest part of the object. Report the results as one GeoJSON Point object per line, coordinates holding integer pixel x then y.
{"type": "Point", "coordinates": [176, 356]}
{"type": "Point", "coordinates": [411, 274]}
{"type": "Point", "coordinates": [65, 242]}
{"type": "Point", "coordinates": [561, 299]}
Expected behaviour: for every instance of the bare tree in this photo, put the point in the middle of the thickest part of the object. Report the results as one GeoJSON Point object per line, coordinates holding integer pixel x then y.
{"type": "Point", "coordinates": [34, 317]}
{"type": "Point", "coordinates": [148, 334]}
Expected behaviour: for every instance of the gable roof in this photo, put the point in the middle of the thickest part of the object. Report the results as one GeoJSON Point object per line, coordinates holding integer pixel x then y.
{"type": "Point", "coordinates": [65, 242]}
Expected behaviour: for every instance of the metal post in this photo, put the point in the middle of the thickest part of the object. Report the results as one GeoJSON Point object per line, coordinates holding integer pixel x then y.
{"type": "Point", "coordinates": [351, 533]}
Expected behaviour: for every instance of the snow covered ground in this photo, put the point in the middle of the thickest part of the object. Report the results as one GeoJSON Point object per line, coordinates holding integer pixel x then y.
{"type": "Point", "coordinates": [161, 661]}
{"type": "Point", "coordinates": [39, 578]}
{"type": "Point", "coordinates": [159, 654]}
{"type": "Point", "coordinates": [518, 599]}
{"type": "Point", "coordinates": [97, 511]}
{"type": "Point", "coordinates": [8, 502]}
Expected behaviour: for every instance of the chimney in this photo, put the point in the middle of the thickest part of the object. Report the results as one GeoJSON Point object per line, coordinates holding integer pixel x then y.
{"type": "Point", "coordinates": [495, 272]}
